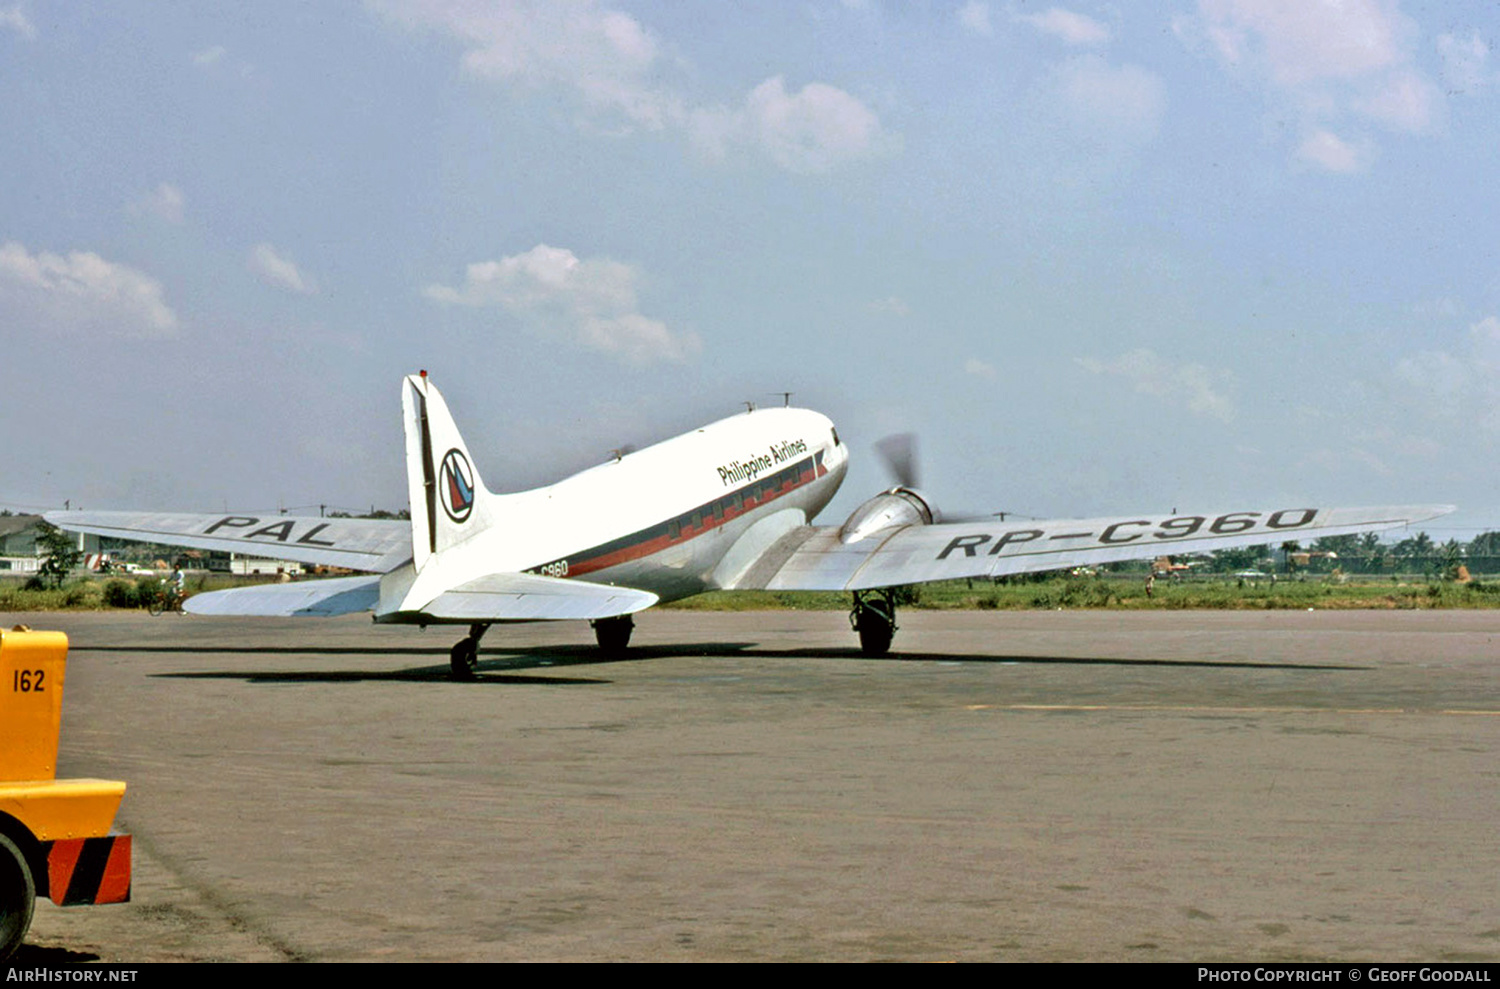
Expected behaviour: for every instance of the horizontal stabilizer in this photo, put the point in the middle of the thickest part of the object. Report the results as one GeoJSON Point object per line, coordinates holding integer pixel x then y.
{"type": "Point", "coordinates": [520, 597]}
{"type": "Point", "coordinates": [374, 545]}
{"type": "Point", "coordinates": [310, 598]}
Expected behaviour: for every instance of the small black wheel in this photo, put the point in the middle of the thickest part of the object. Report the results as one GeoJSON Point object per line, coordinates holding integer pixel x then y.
{"type": "Point", "coordinates": [157, 606]}
{"type": "Point", "coordinates": [17, 897]}
{"type": "Point", "coordinates": [464, 659]}
{"type": "Point", "coordinates": [875, 632]}
{"type": "Point", "coordinates": [613, 634]}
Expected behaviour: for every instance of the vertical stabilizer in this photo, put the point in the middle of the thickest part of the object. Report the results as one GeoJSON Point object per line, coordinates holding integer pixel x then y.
{"type": "Point", "coordinates": [449, 503]}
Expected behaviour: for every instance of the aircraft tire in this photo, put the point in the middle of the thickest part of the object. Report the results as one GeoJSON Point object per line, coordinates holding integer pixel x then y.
{"type": "Point", "coordinates": [17, 897]}
{"type": "Point", "coordinates": [875, 633]}
{"type": "Point", "coordinates": [463, 660]}
{"type": "Point", "coordinates": [613, 634]}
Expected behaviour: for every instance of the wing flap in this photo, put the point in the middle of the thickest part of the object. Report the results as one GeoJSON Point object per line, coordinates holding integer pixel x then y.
{"type": "Point", "coordinates": [373, 545]}
{"type": "Point", "coordinates": [917, 554]}
{"type": "Point", "coordinates": [312, 598]}
{"type": "Point", "coordinates": [510, 597]}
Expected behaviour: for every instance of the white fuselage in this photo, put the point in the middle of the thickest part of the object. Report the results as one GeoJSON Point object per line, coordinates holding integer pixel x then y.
{"type": "Point", "coordinates": [678, 518]}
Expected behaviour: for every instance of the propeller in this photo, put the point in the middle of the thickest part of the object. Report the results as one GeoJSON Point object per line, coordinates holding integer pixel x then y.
{"type": "Point", "coordinates": [900, 455]}
{"type": "Point", "coordinates": [899, 452]}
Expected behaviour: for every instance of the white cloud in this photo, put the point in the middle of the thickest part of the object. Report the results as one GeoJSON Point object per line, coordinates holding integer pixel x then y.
{"type": "Point", "coordinates": [1328, 59]}
{"type": "Point", "coordinates": [975, 17]}
{"type": "Point", "coordinates": [14, 17]}
{"type": "Point", "coordinates": [979, 368]}
{"type": "Point", "coordinates": [278, 270]}
{"type": "Point", "coordinates": [811, 131]}
{"type": "Point", "coordinates": [1300, 41]}
{"type": "Point", "coordinates": [82, 292]}
{"type": "Point", "coordinates": [1441, 375]}
{"type": "Point", "coordinates": [891, 305]}
{"type": "Point", "coordinates": [615, 67]}
{"type": "Point", "coordinates": [165, 202]}
{"type": "Point", "coordinates": [1071, 28]}
{"type": "Point", "coordinates": [1331, 153]}
{"type": "Point", "coordinates": [1194, 385]}
{"type": "Point", "coordinates": [603, 55]}
{"type": "Point", "coordinates": [1463, 385]}
{"type": "Point", "coordinates": [591, 302]}
{"type": "Point", "coordinates": [1118, 103]}
{"type": "Point", "coordinates": [1465, 62]}
{"type": "Point", "coordinates": [1406, 101]}
{"type": "Point", "coordinates": [209, 56]}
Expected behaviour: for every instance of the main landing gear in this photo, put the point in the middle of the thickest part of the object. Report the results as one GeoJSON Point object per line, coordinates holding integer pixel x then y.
{"type": "Point", "coordinates": [874, 618]}
{"type": "Point", "coordinates": [464, 659]}
{"type": "Point", "coordinates": [613, 634]}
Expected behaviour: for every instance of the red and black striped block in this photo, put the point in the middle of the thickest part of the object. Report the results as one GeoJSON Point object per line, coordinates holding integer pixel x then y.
{"type": "Point", "coordinates": [89, 870]}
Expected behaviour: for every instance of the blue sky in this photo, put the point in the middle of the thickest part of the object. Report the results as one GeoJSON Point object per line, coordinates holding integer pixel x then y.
{"type": "Point", "coordinates": [1100, 257]}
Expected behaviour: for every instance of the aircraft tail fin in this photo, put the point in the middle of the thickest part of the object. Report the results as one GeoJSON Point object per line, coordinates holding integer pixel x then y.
{"type": "Point", "coordinates": [449, 502]}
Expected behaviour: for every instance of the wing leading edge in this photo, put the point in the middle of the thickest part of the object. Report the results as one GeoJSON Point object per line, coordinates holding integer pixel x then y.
{"type": "Point", "coordinates": [815, 559]}
{"type": "Point", "coordinates": [371, 545]}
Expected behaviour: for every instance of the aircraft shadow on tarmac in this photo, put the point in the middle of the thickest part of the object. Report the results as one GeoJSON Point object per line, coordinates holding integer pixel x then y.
{"type": "Point", "coordinates": [494, 671]}
{"type": "Point", "coordinates": [502, 666]}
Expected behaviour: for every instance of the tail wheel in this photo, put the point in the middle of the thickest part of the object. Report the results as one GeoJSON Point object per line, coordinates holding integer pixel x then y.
{"type": "Point", "coordinates": [17, 897]}
{"type": "Point", "coordinates": [613, 634]}
{"type": "Point", "coordinates": [463, 660]}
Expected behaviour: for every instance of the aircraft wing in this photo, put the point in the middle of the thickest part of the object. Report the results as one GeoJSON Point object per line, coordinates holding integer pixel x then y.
{"type": "Point", "coordinates": [815, 559]}
{"type": "Point", "coordinates": [373, 545]}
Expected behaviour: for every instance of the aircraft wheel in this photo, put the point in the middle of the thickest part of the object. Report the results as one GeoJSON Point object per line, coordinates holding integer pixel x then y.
{"type": "Point", "coordinates": [613, 634]}
{"type": "Point", "coordinates": [464, 659]}
{"type": "Point", "coordinates": [874, 618]}
{"type": "Point", "coordinates": [17, 897]}
{"type": "Point", "coordinates": [875, 633]}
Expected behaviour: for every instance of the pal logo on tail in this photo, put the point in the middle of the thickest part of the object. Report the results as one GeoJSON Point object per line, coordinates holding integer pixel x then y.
{"type": "Point", "coordinates": [457, 486]}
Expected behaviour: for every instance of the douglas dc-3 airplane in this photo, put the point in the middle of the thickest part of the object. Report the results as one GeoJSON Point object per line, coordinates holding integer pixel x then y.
{"type": "Point", "coordinates": [723, 507]}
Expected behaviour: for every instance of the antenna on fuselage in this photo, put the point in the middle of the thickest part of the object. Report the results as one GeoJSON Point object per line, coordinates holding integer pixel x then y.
{"type": "Point", "coordinates": [786, 398]}
{"type": "Point", "coordinates": [749, 406]}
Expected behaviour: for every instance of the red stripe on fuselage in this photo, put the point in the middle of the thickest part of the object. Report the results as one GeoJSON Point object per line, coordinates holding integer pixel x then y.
{"type": "Point", "coordinates": [708, 516]}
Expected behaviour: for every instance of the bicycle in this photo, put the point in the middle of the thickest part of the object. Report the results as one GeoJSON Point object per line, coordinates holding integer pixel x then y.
{"type": "Point", "coordinates": [166, 599]}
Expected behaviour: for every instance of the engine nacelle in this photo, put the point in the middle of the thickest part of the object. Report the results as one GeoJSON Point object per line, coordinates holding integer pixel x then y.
{"type": "Point", "coordinates": [896, 507]}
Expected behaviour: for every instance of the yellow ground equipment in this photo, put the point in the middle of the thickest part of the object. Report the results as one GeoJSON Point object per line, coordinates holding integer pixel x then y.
{"type": "Point", "coordinates": [55, 835]}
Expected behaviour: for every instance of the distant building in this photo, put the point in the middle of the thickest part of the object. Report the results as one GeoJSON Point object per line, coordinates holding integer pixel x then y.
{"type": "Point", "coordinates": [20, 548]}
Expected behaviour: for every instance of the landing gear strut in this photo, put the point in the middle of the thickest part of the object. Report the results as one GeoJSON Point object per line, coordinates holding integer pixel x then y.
{"type": "Point", "coordinates": [613, 634]}
{"type": "Point", "coordinates": [464, 659]}
{"type": "Point", "coordinates": [874, 618]}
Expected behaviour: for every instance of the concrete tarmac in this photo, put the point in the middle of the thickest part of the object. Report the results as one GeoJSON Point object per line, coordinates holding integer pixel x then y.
{"type": "Point", "coordinates": [1011, 786]}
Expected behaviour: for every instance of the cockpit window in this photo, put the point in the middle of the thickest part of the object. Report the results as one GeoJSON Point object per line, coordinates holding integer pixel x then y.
{"type": "Point", "coordinates": [835, 430]}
